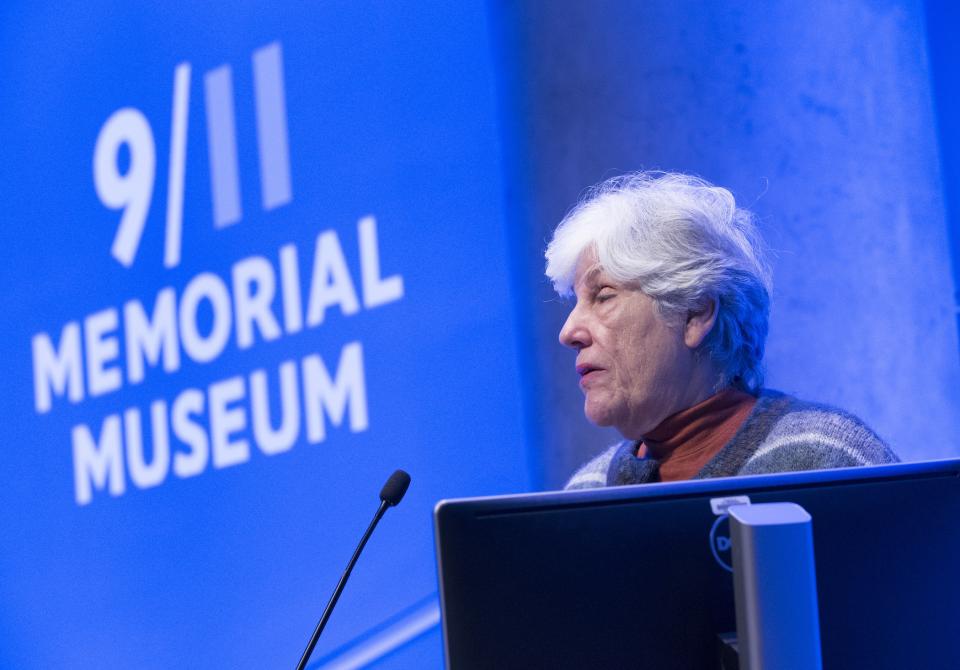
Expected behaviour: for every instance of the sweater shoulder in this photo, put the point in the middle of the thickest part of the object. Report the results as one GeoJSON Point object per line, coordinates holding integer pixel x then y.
{"type": "Point", "coordinates": [593, 474]}
{"type": "Point", "coordinates": [806, 435]}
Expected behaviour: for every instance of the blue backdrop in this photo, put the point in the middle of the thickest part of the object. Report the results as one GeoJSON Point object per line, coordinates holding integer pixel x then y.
{"type": "Point", "coordinates": [333, 172]}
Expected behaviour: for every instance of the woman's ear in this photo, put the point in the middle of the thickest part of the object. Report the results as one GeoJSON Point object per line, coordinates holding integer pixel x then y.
{"type": "Point", "coordinates": [700, 322]}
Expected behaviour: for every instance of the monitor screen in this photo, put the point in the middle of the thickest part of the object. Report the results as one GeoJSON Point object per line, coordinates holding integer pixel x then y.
{"type": "Point", "coordinates": [639, 576]}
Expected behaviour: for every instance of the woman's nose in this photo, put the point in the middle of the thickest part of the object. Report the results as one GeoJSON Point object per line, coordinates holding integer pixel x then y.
{"type": "Point", "coordinates": [575, 333]}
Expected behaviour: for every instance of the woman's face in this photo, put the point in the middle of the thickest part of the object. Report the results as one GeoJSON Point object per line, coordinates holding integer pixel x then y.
{"type": "Point", "coordinates": [635, 368]}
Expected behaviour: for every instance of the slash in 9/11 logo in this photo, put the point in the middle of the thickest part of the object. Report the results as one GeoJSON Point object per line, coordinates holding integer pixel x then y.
{"type": "Point", "coordinates": [262, 300]}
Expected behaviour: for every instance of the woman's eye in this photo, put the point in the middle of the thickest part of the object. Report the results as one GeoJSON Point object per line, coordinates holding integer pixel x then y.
{"type": "Point", "coordinates": [603, 296]}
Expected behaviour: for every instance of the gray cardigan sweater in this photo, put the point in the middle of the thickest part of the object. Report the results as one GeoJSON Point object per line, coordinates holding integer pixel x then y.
{"type": "Point", "coordinates": [781, 434]}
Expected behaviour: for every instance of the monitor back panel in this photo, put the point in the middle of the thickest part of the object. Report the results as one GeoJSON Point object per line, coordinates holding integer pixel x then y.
{"type": "Point", "coordinates": [633, 578]}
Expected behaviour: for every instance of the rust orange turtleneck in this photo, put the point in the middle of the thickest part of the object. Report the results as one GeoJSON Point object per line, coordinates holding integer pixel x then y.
{"type": "Point", "coordinates": [686, 441]}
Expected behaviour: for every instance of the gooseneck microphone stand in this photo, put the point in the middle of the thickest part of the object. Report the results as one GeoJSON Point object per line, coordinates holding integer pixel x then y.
{"type": "Point", "coordinates": [391, 494]}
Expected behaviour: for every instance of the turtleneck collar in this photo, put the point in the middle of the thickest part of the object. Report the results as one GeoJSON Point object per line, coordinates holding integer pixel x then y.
{"type": "Point", "coordinates": [684, 442]}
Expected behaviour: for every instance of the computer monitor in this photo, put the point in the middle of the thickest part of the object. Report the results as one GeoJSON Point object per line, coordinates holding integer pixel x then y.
{"type": "Point", "coordinates": [638, 576]}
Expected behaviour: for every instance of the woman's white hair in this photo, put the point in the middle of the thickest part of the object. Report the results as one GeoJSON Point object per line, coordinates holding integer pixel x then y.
{"type": "Point", "coordinates": [682, 241]}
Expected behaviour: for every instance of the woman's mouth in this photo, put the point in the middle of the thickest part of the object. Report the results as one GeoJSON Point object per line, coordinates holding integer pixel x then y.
{"type": "Point", "coordinates": [586, 372]}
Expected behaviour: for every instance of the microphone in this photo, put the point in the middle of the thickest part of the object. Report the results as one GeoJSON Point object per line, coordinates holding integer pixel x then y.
{"type": "Point", "coordinates": [395, 488]}
{"type": "Point", "coordinates": [390, 496]}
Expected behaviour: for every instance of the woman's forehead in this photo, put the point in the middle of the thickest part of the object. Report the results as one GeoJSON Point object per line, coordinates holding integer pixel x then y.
{"type": "Point", "coordinates": [588, 273]}
{"type": "Point", "coordinates": [588, 263]}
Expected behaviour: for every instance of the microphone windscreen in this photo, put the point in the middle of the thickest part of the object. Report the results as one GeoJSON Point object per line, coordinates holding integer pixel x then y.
{"type": "Point", "coordinates": [395, 488]}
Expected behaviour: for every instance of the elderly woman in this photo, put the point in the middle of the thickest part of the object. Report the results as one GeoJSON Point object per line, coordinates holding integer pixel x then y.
{"type": "Point", "coordinates": [672, 302]}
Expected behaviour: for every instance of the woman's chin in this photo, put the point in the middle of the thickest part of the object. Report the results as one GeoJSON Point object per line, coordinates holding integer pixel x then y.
{"type": "Point", "coordinates": [598, 415]}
